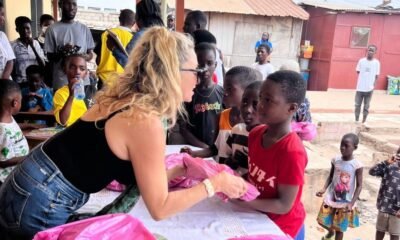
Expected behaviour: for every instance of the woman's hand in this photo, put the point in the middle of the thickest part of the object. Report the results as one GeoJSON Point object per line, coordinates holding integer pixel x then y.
{"type": "Point", "coordinates": [230, 185]}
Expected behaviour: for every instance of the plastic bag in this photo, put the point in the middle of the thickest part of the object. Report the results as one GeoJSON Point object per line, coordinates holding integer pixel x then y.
{"type": "Point", "coordinates": [305, 130]}
{"type": "Point", "coordinates": [107, 227]}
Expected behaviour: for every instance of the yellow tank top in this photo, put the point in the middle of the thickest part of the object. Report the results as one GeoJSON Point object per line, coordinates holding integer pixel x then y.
{"type": "Point", "coordinates": [108, 64]}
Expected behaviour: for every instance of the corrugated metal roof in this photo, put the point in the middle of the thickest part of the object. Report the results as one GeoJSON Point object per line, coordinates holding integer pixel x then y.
{"type": "Point", "coordinates": [355, 5]}
{"type": "Point", "coordinates": [279, 8]}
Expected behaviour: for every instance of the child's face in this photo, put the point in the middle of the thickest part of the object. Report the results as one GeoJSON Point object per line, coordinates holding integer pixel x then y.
{"type": "Point", "coordinates": [248, 107]}
{"type": "Point", "coordinates": [2, 17]}
{"type": "Point", "coordinates": [233, 92]}
{"type": "Point", "coordinates": [262, 54]}
{"type": "Point", "coordinates": [25, 31]}
{"type": "Point", "coordinates": [371, 52]}
{"type": "Point", "coordinates": [76, 67]}
{"type": "Point", "coordinates": [206, 59]}
{"type": "Point", "coordinates": [347, 148]}
{"type": "Point", "coordinates": [189, 25]}
{"type": "Point", "coordinates": [272, 106]}
{"type": "Point", "coordinates": [35, 81]}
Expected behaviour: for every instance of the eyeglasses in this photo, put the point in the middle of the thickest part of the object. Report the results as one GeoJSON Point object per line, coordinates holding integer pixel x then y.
{"type": "Point", "coordinates": [196, 71]}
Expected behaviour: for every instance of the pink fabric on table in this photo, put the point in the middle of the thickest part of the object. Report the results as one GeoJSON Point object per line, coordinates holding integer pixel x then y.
{"type": "Point", "coordinates": [262, 237]}
{"type": "Point", "coordinates": [198, 169]}
{"type": "Point", "coordinates": [305, 130]}
{"type": "Point", "coordinates": [116, 186]}
{"type": "Point", "coordinates": [111, 226]}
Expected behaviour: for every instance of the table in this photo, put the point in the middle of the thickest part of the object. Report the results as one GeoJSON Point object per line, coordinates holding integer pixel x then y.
{"type": "Point", "coordinates": [209, 219]}
{"type": "Point", "coordinates": [47, 116]}
{"type": "Point", "coordinates": [36, 136]}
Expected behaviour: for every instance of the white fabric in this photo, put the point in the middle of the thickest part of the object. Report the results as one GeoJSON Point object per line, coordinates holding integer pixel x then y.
{"type": "Point", "coordinates": [6, 52]}
{"type": "Point", "coordinates": [265, 69]}
{"type": "Point", "coordinates": [218, 69]}
{"type": "Point", "coordinates": [342, 187]}
{"type": "Point", "coordinates": [24, 57]}
{"type": "Point", "coordinates": [210, 219]}
{"type": "Point", "coordinates": [224, 150]}
{"type": "Point", "coordinates": [12, 144]}
{"type": "Point", "coordinates": [368, 70]}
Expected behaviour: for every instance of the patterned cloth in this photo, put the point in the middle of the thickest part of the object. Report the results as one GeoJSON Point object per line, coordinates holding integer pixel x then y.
{"type": "Point", "coordinates": [12, 144]}
{"type": "Point", "coordinates": [338, 219]}
{"type": "Point", "coordinates": [389, 192]}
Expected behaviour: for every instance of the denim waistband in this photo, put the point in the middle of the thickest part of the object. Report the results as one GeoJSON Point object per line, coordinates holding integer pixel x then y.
{"type": "Point", "coordinates": [42, 169]}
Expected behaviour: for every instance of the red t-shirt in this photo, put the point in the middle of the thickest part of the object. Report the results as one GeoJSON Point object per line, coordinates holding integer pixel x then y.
{"type": "Point", "coordinates": [215, 78]}
{"type": "Point", "coordinates": [282, 163]}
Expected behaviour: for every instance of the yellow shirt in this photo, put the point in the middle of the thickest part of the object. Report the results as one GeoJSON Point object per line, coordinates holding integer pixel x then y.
{"type": "Point", "coordinates": [108, 64]}
{"type": "Point", "coordinates": [78, 107]}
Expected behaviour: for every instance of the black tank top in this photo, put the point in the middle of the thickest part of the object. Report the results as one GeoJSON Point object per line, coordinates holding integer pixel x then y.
{"type": "Point", "coordinates": [82, 154]}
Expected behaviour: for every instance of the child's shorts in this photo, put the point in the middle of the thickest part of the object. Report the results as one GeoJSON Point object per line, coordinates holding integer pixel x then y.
{"type": "Point", "coordinates": [338, 219]}
{"type": "Point", "coordinates": [388, 223]}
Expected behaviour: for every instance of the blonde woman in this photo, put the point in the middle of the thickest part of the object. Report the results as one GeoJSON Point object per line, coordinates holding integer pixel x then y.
{"type": "Point", "coordinates": [121, 137]}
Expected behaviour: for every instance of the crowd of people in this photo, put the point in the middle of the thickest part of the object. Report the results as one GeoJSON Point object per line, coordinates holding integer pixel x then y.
{"type": "Point", "coordinates": [152, 87]}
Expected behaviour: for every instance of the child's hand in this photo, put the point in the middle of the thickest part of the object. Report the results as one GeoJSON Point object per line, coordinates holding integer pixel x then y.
{"type": "Point", "coordinates": [350, 207]}
{"type": "Point", "coordinates": [187, 150]}
{"type": "Point", "coordinates": [71, 86]}
{"type": "Point", "coordinates": [320, 193]}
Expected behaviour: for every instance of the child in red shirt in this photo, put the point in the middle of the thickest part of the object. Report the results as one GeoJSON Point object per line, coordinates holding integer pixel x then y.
{"type": "Point", "coordinates": [277, 158]}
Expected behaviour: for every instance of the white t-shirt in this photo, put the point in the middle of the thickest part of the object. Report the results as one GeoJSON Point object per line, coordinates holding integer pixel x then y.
{"type": "Point", "coordinates": [12, 144]}
{"type": "Point", "coordinates": [368, 70]}
{"type": "Point", "coordinates": [218, 69]}
{"type": "Point", "coordinates": [265, 69]}
{"type": "Point", "coordinates": [6, 52]}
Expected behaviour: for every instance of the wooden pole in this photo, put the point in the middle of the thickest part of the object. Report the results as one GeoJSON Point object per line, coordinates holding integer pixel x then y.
{"type": "Point", "coordinates": [179, 14]}
{"type": "Point", "coordinates": [55, 9]}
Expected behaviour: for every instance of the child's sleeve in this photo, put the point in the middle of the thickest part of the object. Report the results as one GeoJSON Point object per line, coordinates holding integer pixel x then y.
{"type": "Point", "coordinates": [4, 148]}
{"type": "Point", "coordinates": [292, 167]}
{"type": "Point", "coordinates": [379, 169]}
{"type": "Point", "coordinates": [58, 104]}
{"type": "Point", "coordinates": [47, 101]}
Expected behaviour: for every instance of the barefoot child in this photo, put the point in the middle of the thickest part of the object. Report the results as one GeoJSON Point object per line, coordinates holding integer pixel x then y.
{"type": "Point", "coordinates": [277, 158]}
{"type": "Point", "coordinates": [344, 185]}
{"type": "Point", "coordinates": [388, 202]}
{"type": "Point", "coordinates": [13, 144]}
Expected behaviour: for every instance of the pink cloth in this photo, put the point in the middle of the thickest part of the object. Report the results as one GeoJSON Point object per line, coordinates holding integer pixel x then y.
{"type": "Point", "coordinates": [116, 186]}
{"type": "Point", "coordinates": [198, 169]}
{"type": "Point", "coordinates": [111, 226]}
{"type": "Point", "coordinates": [262, 237]}
{"type": "Point", "coordinates": [305, 130]}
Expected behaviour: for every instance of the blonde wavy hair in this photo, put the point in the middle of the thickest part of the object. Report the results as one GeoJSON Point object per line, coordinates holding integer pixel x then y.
{"type": "Point", "coordinates": [151, 83]}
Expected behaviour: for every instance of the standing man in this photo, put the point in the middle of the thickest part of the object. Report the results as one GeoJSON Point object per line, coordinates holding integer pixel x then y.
{"type": "Point", "coordinates": [107, 64]}
{"type": "Point", "coordinates": [6, 53]}
{"type": "Point", "coordinates": [171, 22]}
{"type": "Point", "coordinates": [368, 69]}
{"type": "Point", "coordinates": [62, 37]}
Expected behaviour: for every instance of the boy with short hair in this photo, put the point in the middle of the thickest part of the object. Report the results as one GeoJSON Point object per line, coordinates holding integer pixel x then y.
{"type": "Point", "coordinates": [388, 202]}
{"type": "Point", "coordinates": [277, 157]}
{"type": "Point", "coordinates": [206, 103]}
{"type": "Point", "coordinates": [368, 70]}
{"type": "Point", "coordinates": [27, 50]}
{"type": "Point", "coordinates": [13, 144]}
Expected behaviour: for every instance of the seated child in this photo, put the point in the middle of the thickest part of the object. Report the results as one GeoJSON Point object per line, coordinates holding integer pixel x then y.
{"type": "Point", "coordinates": [344, 185]}
{"type": "Point", "coordinates": [277, 157]}
{"type": "Point", "coordinates": [203, 111]}
{"type": "Point", "coordinates": [262, 63]}
{"type": "Point", "coordinates": [13, 144]}
{"type": "Point", "coordinates": [388, 202]}
{"type": "Point", "coordinates": [68, 109]}
{"type": "Point", "coordinates": [240, 132]}
{"type": "Point", "coordinates": [236, 80]}
{"type": "Point", "coordinates": [37, 96]}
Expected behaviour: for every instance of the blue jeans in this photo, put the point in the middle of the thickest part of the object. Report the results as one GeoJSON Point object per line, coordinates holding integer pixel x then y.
{"type": "Point", "coordinates": [301, 234]}
{"type": "Point", "coordinates": [36, 196]}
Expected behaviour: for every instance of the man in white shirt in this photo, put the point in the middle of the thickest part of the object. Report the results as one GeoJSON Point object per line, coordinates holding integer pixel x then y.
{"type": "Point", "coordinates": [368, 69]}
{"type": "Point", "coordinates": [6, 53]}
